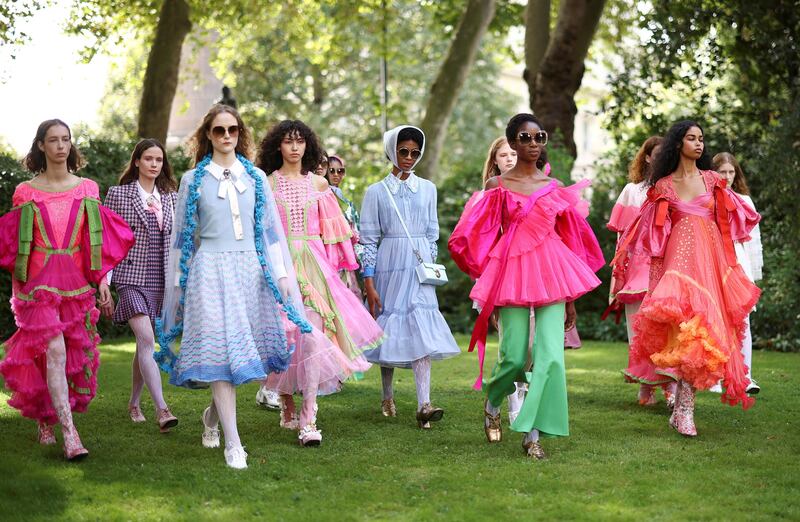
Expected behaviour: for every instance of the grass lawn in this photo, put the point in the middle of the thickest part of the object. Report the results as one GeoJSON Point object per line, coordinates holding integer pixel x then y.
{"type": "Point", "coordinates": [621, 462]}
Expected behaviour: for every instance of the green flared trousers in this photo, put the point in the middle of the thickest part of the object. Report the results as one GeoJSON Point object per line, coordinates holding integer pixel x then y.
{"type": "Point", "coordinates": [545, 405]}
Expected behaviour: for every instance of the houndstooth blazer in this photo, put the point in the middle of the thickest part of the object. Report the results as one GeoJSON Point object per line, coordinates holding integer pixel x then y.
{"type": "Point", "coordinates": [125, 201]}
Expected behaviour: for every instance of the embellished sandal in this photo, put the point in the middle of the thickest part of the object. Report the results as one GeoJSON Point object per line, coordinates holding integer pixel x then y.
{"type": "Point", "coordinates": [289, 420]}
{"type": "Point", "coordinates": [210, 433]}
{"type": "Point", "coordinates": [47, 435]}
{"type": "Point", "coordinates": [388, 408]}
{"type": "Point", "coordinates": [136, 413]}
{"type": "Point", "coordinates": [491, 425]}
{"type": "Point", "coordinates": [533, 449]}
{"type": "Point", "coordinates": [310, 436]}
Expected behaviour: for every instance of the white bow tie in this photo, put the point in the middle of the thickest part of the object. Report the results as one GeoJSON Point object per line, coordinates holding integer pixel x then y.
{"type": "Point", "coordinates": [229, 183]}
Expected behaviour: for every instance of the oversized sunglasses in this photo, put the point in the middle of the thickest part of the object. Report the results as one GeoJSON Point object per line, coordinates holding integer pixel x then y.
{"type": "Point", "coordinates": [404, 153]}
{"type": "Point", "coordinates": [539, 137]}
{"type": "Point", "coordinates": [219, 131]}
{"type": "Point", "coordinates": [334, 170]}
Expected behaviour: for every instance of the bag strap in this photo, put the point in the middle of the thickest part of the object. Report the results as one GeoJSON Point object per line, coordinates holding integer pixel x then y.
{"type": "Point", "coordinates": [402, 222]}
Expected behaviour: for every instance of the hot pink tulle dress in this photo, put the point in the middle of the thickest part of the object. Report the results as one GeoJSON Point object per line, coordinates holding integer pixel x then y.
{"type": "Point", "coordinates": [525, 250]}
{"type": "Point", "coordinates": [56, 245]}
{"type": "Point", "coordinates": [693, 318]}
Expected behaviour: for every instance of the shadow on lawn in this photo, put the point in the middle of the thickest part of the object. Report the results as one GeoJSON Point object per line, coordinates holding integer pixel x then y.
{"type": "Point", "coordinates": [30, 490]}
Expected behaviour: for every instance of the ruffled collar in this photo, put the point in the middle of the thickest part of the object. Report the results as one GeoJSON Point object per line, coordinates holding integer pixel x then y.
{"type": "Point", "coordinates": [395, 183]}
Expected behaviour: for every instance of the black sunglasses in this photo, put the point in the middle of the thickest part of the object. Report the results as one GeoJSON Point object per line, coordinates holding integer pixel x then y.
{"type": "Point", "coordinates": [334, 170]}
{"type": "Point", "coordinates": [219, 131]}
{"type": "Point", "coordinates": [539, 137]}
{"type": "Point", "coordinates": [404, 153]}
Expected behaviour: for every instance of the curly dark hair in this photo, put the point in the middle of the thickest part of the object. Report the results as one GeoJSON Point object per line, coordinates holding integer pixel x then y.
{"type": "Point", "coordinates": [669, 153]}
{"type": "Point", "coordinates": [165, 180]}
{"type": "Point", "coordinates": [35, 160]}
{"type": "Point", "coordinates": [512, 128]}
{"type": "Point", "coordinates": [639, 169]}
{"type": "Point", "coordinates": [269, 151]}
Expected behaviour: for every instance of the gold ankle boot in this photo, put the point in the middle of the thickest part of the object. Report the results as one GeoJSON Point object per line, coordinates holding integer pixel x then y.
{"type": "Point", "coordinates": [491, 425]}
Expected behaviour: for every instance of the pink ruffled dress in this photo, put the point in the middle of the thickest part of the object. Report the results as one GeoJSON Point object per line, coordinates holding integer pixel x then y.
{"type": "Point", "coordinates": [630, 282]}
{"type": "Point", "coordinates": [56, 245]}
{"type": "Point", "coordinates": [525, 251]}
{"type": "Point", "coordinates": [692, 321]}
{"type": "Point", "coordinates": [319, 240]}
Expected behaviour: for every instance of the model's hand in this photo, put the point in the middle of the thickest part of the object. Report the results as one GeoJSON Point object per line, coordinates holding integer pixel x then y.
{"type": "Point", "coordinates": [493, 317]}
{"type": "Point", "coordinates": [373, 299]}
{"type": "Point", "coordinates": [104, 299]}
{"type": "Point", "coordinates": [572, 316]}
{"type": "Point", "coordinates": [283, 288]}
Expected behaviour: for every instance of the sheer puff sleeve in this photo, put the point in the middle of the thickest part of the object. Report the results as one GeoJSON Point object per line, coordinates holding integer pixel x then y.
{"type": "Point", "coordinates": [574, 230]}
{"type": "Point", "coordinates": [477, 232]}
{"type": "Point", "coordinates": [743, 217]}
{"type": "Point", "coordinates": [625, 210]}
{"type": "Point", "coordinates": [336, 233]}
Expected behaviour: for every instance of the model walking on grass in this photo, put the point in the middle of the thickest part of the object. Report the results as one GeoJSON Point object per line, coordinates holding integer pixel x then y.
{"type": "Point", "coordinates": [230, 281]}
{"type": "Point", "coordinates": [320, 245]}
{"type": "Point", "coordinates": [748, 253]}
{"type": "Point", "coordinates": [687, 325]}
{"type": "Point", "coordinates": [629, 286]}
{"type": "Point", "coordinates": [528, 247]}
{"type": "Point", "coordinates": [145, 198]}
{"type": "Point", "coordinates": [59, 243]}
{"type": "Point", "coordinates": [407, 310]}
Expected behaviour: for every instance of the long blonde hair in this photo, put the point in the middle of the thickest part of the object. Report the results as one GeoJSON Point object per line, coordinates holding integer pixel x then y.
{"type": "Point", "coordinates": [490, 168]}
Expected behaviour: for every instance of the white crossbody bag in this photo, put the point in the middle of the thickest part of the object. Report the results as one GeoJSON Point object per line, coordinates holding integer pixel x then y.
{"type": "Point", "coordinates": [427, 273]}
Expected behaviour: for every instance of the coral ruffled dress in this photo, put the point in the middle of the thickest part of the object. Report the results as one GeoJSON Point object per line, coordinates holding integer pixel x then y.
{"type": "Point", "coordinates": [56, 244]}
{"type": "Point", "coordinates": [527, 251]}
{"type": "Point", "coordinates": [693, 318]}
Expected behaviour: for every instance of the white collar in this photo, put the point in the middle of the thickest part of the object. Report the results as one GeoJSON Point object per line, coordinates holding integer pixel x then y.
{"type": "Point", "coordinates": [237, 169]}
{"type": "Point", "coordinates": [146, 195]}
{"type": "Point", "coordinates": [394, 183]}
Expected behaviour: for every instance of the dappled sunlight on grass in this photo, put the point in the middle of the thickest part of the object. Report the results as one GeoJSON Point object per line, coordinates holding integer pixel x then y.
{"type": "Point", "coordinates": [621, 461]}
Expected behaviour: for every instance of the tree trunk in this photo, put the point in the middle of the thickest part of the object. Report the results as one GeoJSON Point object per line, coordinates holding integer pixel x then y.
{"type": "Point", "coordinates": [452, 74]}
{"type": "Point", "coordinates": [537, 37]}
{"type": "Point", "coordinates": [318, 85]}
{"type": "Point", "coordinates": [561, 70]}
{"type": "Point", "coordinates": [163, 65]}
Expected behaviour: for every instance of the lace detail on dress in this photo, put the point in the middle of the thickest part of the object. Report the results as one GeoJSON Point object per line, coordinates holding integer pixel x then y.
{"type": "Point", "coordinates": [295, 195]}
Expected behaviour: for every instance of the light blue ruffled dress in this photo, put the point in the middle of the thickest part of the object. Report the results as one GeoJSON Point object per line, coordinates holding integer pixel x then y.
{"type": "Point", "coordinates": [232, 327]}
{"type": "Point", "coordinates": [411, 319]}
